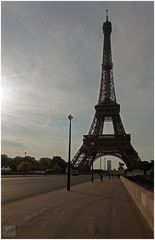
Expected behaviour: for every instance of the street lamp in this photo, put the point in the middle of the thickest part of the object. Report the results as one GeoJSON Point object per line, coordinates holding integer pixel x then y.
{"type": "Point", "coordinates": [70, 117]}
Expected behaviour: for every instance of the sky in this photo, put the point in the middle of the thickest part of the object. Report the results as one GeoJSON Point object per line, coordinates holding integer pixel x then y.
{"type": "Point", "coordinates": [51, 67]}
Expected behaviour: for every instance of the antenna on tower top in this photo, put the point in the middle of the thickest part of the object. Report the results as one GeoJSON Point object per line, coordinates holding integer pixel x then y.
{"type": "Point", "coordinates": [107, 15]}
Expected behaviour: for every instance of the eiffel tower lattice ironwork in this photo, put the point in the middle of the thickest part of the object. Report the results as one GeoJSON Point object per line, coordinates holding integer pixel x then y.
{"type": "Point", "coordinates": [97, 144]}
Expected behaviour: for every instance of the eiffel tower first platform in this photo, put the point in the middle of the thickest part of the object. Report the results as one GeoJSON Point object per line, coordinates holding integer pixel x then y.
{"type": "Point", "coordinates": [96, 143]}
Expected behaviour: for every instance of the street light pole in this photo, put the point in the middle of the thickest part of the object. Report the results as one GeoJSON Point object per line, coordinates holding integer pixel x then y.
{"type": "Point", "coordinates": [70, 117]}
{"type": "Point", "coordinates": [100, 164]}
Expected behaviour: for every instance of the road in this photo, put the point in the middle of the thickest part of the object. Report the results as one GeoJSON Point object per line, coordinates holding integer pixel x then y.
{"type": "Point", "coordinates": [15, 188]}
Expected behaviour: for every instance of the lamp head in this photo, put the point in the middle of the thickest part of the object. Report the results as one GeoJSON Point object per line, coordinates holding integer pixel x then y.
{"type": "Point", "coordinates": [70, 117]}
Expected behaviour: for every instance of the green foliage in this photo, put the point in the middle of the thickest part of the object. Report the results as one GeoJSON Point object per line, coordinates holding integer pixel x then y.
{"type": "Point", "coordinates": [17, 163]}
{"type": "Point", "coordinates": [59, 161]}
{"type": "Point", "coordinates": [7, 162]}
{"type": "Point", "coordinates": [44, 162]}
{"type": "Point", "coordinates": [4, 160]}
{"type": "Point", "coordinates": [17, 160]}
{"type": "Point", "coordinates": [13, 163]}
{"type": "Point", "coordinates": [29, 159]}
{"type": "Point", "coordinates": [24, 166]}
{"type": "Point", "coordinates": [143, 165]}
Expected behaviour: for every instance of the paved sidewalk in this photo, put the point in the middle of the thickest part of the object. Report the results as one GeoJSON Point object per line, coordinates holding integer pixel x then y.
{"type": "Point", "coordinates": [89, 210]}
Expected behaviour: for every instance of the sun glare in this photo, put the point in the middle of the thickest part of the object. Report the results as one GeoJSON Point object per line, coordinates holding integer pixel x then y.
{"type": "Point", "coordinates": [5, 94]}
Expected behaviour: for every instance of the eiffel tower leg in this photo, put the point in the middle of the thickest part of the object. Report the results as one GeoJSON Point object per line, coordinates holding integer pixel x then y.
{"type": "Point", "coordinates": [83, 158]}
{"type": "Point", "coordinates": [97, 125]}
{"type": "Point", "coordinates": [91, 131]}
{"type": "Point", "coordinates": [78, 157]}
{"type": "Point", "coordinates": [130, 156]}
{"type": "Point", "coordinates": [117, 124]}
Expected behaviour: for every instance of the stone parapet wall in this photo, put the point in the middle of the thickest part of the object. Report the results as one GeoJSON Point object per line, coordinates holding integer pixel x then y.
{"type": "Point", "coordinates": [143, 198]}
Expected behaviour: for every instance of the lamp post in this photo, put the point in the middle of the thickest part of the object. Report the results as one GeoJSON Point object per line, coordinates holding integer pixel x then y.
{"type": "Point", "coordinates": [70, 117]}
{"type": "Point", "coordinates": [100, 164]}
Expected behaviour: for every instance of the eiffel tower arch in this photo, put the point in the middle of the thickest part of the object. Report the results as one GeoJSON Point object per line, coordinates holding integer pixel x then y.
{"type": "Point", "coordinates": [96, 143]}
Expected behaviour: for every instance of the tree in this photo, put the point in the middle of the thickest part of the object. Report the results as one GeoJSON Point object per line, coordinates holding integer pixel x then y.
{"type": "Point", "coordinates": [29, 159]}
{"type": "Point", "coordinates": [59, 161]}
{"type": "Point", "coordinates": [15, 162]}
{"type": "Point", "coordinates": [4, 160]}
{"type": "Point", "coordinates": [32, 160]}
{"type": "Point", "coordinates": [145, 166]}
{"type": "Point", "coordinates": [7, 162]}
{"type": "Point", "coordinates": [35, 165]}
{"type": "Point", "coordinates": [44, 162]}
{"type": "Point", "coordinates": [24, 166]}
{"type": "Point", "coordinates": [18, 159]}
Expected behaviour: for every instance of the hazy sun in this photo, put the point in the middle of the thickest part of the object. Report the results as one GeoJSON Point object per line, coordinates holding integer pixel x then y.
{"type": "Point", "coordinates": [5, 94]}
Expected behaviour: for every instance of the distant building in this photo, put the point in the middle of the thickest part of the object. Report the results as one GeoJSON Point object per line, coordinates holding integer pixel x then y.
{"type": "Point", "coordinates": [104, 163]}
{"type": "Point", "coordinates": [108, 165]}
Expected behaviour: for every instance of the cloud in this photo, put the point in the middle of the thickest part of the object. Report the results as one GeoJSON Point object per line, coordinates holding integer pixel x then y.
{"type": "Point", "coordinates": [13, 144]}
{"type": "Point", "coordinates": [51, 61]}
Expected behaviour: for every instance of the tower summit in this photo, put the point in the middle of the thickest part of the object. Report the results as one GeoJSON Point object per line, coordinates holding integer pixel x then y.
{"type": "Point", "coordinates": [96, 143]}
{"type": "Point", "coordinates": [106, 15]}
{"type": "Point", "coordinates": [107, 91]}
{"type": "Point", "coordinates": [107, 27]}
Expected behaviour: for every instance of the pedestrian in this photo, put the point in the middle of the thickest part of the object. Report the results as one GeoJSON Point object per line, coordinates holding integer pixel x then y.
{"type": "Point", "coordinates": [101, 176]}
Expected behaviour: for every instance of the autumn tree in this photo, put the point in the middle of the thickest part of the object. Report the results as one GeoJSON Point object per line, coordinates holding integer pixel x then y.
{"type": "Point", "coordinates": [24, 166]}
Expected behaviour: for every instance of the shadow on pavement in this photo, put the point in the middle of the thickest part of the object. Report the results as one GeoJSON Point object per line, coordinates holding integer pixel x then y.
{"type": "Point", "coordinates": [102, 196]}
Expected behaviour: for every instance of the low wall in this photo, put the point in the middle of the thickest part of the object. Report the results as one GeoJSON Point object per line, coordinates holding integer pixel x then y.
{"type": "Point", "coordinates": [143, 198]}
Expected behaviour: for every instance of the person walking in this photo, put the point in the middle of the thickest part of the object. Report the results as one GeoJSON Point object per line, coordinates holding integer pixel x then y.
{"type": "Point", "coordinates": [101, 176]}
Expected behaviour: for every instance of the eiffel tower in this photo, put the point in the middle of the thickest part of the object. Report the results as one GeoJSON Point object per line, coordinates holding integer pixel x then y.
{"type": "Point", "coordinates": [96, 143]}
